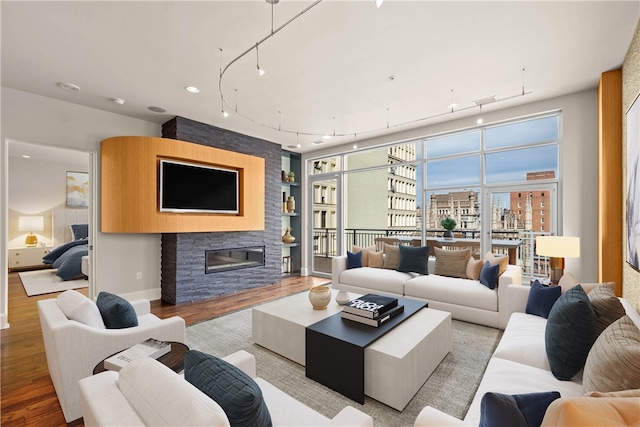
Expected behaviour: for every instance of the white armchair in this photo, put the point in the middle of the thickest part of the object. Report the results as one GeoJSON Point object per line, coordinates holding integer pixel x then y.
{"type": "Point", "coordinates": [73, 348]}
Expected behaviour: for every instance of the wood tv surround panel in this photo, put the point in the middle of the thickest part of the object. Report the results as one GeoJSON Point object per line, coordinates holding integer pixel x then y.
{"type": "Point", "coordinates": [129, 187]}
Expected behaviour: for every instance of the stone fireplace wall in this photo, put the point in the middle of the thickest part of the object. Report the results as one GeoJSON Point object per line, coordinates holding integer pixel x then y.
{"type": "Point", "coordinates": [183, 254]}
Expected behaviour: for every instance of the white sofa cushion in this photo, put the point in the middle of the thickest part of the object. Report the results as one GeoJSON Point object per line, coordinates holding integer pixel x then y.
{"type": "Point", "coordinates": [376, 279]}
{"type": "Point", "coordinates": [523, 341]}
{"type": "Point", "coordinates": [285, 410]}
{"type": "Point", "coordinates": [465, 292]}
{"type": "Point", "coordinates": [163, 398]}
{"type": "Point", "coordinates": [77, 307]}
{"type": "Point", "coordinates": [508, 377]}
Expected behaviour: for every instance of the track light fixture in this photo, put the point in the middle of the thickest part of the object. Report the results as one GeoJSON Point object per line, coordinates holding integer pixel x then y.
{"type": "Point", "coordinates": [224, 113]}
{"type": "Point", "coordinates": [451, 108]}
{"type": "Point", "coordinates": [260, 70]}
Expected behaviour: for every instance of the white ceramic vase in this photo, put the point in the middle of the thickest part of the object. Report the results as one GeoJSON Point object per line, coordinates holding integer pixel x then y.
{"type": "Point", "coordinates": [342, 298]}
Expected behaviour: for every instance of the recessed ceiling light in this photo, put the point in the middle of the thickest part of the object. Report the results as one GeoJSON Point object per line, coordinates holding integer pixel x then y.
{"type": "Point", "coordinates": [192, 89]}
{"type": "Point", "coordinates": [479, 121]}
{"type": "Point", "coordinates": [69, 86]}
{"type": "Point", "coordinates": [25, 156]}
{"type": "Point", "coordinates": [156, 109]}
{"type": "Point", "coordinates": [118, 101]}
{"type": "Point", "coordinates": [326, 137]}
{"type": "Point", "coordinates": [318, 142]}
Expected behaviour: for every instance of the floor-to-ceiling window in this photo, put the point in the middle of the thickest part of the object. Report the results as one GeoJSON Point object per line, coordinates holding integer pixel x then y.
{"type": "Point", "coordinates": [498, 182]}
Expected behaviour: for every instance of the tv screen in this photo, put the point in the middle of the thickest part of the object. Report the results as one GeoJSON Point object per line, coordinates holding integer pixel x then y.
{"type": "Point", "coordinates": [189, 187]}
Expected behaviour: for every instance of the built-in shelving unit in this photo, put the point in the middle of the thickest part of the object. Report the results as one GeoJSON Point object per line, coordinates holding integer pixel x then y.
{"type": "Point", "coordinates": [291, 252]}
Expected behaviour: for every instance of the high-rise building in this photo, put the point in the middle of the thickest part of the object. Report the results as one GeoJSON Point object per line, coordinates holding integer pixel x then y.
{"type": "Point", "coordinates": [530, 209]}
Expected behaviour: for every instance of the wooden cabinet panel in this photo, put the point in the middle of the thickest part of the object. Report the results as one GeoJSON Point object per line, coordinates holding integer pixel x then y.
{"type": "Point", "coordinates": [610, 185]}
{"type": "Point", "coordinates": [129, 187]}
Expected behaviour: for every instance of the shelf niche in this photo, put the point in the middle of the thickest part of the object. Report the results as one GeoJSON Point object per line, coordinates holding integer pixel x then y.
{"type": "Point", "coordinates": [129, 187]}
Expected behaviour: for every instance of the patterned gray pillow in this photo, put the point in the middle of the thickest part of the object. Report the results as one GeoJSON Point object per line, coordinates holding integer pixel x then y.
{"type": "Point", "coordinates": [606, 305]}
{"type": "Point", "coordinates": [612, 364]}
{"type": "Point", "coordinates": [391, 257]}
{"type": "Point", "coordinates": [452, 263]}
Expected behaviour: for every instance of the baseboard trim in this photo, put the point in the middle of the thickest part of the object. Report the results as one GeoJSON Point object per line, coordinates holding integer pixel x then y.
{"type": "Point", "coordinates": [148, 294]}
{"type": "Point", "coordinates": [4, 321]}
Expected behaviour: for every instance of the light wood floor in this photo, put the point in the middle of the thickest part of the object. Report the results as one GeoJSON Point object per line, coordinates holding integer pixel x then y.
{"type": "Point", "coordinates": [27, 394]}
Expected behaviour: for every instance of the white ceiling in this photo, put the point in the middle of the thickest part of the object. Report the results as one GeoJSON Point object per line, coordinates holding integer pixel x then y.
{"type": "Point", "coordinates": [327, 72]}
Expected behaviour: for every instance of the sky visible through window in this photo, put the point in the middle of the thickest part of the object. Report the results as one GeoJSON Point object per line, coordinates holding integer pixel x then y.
{"type": "Point", "coordinates": [508, 155]}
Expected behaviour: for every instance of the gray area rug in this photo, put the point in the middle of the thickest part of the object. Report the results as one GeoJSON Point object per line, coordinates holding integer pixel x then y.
{"type": "Point", "coordinates": [450, 388]}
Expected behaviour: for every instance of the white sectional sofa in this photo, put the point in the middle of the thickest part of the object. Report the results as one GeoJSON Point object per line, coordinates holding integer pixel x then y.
{"type": "Point", "coordinates": [148, 393]}
{"type": "Point", "coordinates": [465, 299]}
{"type": "Point", "coordinates": [520, 365]}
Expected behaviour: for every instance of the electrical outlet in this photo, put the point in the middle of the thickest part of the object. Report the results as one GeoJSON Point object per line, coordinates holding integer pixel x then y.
{"type": "Point", "coordinates": [139, 275]}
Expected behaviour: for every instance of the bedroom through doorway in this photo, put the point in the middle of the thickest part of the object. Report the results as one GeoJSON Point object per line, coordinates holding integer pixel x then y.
{"type": "Point", "coordinates": [51, 189]}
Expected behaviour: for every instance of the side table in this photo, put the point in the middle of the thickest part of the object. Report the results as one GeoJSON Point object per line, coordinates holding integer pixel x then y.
{"type": "Point", "coordinates": [174, 359]}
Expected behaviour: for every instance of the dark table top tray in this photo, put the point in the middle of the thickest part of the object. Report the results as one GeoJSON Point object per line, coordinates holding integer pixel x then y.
{"type": "Point", "coordinates": [360, 334]}
{"type": "Point", "coordinates": [174, 359]}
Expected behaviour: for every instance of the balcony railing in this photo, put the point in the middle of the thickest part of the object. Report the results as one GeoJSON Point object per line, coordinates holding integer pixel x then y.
{"type": "Point", "coordinates": [325, 243]}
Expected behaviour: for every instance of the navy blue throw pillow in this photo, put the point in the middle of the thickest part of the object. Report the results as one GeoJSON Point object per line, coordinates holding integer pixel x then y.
{"type": "Point", "coordinates": [541, 299]}
{"type": "Point", "coordinates": [413, 259]}
{"type": "Point", "coordinates": [489, 275]}
{"type": "Point", "coordinates": [570, 332]}
{"type": "Point", "coordinates": [518, 410]}
{"type": "Point", "coordinates": [80, 231]}
{"type": "Point", "coordinates": [236, 392]}
{"type": "Point", "coordinates": [354, 260]}
{"type": "Point", "coordinates": [116, 312]}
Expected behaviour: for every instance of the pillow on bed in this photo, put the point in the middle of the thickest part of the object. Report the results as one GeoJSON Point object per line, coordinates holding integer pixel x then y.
{"type": "Point", "coordinates": [69, 264]}
{"type": "Point", "coordinates": [79, 231]}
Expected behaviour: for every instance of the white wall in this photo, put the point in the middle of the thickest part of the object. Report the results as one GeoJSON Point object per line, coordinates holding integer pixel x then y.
{"type": "Point", "coordinates": [578, 157]}
{"type": "Point", "coordinates": [36, 188]}
{"type": "Point", "coordinates": [36, 119]}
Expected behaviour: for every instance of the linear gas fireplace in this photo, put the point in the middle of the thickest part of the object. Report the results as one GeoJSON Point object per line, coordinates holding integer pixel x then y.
{"type": "Point", "coordinates": [233, 259]}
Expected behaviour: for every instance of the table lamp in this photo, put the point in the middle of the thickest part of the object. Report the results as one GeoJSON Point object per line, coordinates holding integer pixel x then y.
{"type": "Point", "coordinates": [31, 224]}
{"type": "Point", "coordinates": [557, 248]}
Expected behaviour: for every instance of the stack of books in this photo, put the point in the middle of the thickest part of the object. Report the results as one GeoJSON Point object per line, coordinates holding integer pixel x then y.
{"type": "Point", "coordinates": [152, 348]}
{"type": "Point", "coordinates": [371, 309]}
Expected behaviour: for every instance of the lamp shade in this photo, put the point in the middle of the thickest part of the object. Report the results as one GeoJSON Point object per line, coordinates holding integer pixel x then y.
{"type": "Point", "coordinates": [558, 246]}
{"type": "Point", "coordinates": [31, 223]}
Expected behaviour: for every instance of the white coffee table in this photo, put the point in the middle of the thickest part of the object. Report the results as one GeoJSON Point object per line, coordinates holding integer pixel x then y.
{"type": "Point", "coordinates": [280, 325]}
{"type": "Point", "coordinates": [396, 365]}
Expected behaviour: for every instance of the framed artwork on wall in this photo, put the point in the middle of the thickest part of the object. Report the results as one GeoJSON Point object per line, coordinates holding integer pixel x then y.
{"type": "Point", "coordinates": [633, 184]}
{"type": "Point", "coordinates": [77, 189]}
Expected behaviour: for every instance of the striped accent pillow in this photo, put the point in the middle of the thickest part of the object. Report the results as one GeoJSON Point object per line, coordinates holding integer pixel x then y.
{"type": "Point", "coordinates": [612, 364]}
{"type": "Point", "coordinates": [452, 263]}
{"type": "Point", "coordinates": [606, 305]}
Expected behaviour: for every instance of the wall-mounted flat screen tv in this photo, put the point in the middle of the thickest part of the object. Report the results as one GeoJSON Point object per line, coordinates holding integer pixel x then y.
{"type": "Point", "coordinates": [190, 187]}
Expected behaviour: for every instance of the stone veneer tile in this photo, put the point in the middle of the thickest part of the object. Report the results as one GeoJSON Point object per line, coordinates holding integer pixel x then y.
{"type": "Point", "coordinates": [183, 278]}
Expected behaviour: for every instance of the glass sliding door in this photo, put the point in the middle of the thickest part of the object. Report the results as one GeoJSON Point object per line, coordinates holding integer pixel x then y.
{"type": "Point", "coordinates": [382, 197]}
{"type": "Point", "coordinates": [518, 215]}
{"type": "Point", "coordinates": [323, 221]}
